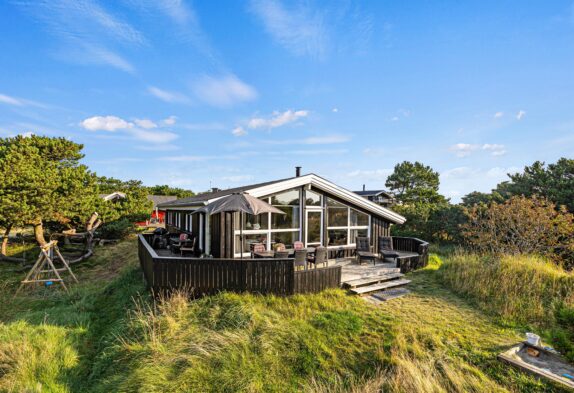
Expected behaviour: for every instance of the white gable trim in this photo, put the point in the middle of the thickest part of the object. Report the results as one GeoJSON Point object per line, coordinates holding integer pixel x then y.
{"type": "Point", "coordinates": [327, 186]}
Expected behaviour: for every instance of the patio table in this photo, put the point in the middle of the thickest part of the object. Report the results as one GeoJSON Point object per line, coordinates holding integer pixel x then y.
{"type": "Point", "coordinates": [271, 254]}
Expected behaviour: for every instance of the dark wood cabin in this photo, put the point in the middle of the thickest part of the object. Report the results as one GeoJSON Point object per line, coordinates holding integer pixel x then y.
{"type": "Point", "coordinates": [317, 212]}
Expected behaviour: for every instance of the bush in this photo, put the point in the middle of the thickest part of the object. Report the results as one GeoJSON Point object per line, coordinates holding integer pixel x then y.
{"type": "Point", "coordinates": [522, 226]}
{"type": "Point", "coordinates": [119, 229]}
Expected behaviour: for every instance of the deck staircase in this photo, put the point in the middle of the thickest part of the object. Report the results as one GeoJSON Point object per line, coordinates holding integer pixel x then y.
{"type": "Point", "coordinates": [388, 284]}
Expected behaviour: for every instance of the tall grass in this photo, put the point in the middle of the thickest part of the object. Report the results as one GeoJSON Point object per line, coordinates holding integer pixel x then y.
{"type": "Point", "coordinates": [520, 289]}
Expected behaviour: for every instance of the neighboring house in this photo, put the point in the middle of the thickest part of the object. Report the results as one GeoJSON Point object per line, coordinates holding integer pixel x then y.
{"type": "Point", "coordinates": [318, 212]}
{"type": "Point", "coordinates": [380, 197]}
{"type": "Point", "coordinates": [114, 196]}
{"type": "Point", "coordinates": [156, 216]}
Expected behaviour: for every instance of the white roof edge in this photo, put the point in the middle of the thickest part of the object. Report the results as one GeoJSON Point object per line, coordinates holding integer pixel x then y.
{"type": "Point", "coordinates": [332, 188]}
{"type": "Point", "coordinates": [321, 184]}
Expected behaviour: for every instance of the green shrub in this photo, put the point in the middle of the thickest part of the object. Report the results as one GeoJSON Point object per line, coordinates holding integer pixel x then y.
{"type": "Point", "coordinates": [119, 229]}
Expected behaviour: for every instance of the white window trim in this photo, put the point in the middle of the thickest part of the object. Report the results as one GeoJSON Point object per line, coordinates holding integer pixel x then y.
{"type": "Point", "coordinates": [307, 211]}
{"type": "Point", "coordinates": [349, 228]}
{"type": "Point", "coordinates": [268, 231]}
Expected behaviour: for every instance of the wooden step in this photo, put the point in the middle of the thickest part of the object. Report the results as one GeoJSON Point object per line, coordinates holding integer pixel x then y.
{"type": "Point", "coordinates": [380, 286]}
{"type": "Point", "coordinates": [371, 280]}
{"type": "Point", "coordinates": [389, 294]}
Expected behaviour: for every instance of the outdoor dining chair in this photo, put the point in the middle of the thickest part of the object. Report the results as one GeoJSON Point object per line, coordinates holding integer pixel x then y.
{"type": "Point", "coordinates": [320, 256]}
{"type": "Point", "coordinates": [300, 258]}
{"type": "Point", "coordinates": [281, 254]}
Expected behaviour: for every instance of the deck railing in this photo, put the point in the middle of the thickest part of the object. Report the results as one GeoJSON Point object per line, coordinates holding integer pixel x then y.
{"type": "Point", "coordinates": [211, 275]}
{"type": "Point", "coordinates": [411, 244]}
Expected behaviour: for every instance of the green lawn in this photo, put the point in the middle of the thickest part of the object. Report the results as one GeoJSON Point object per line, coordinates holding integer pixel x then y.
{"type": "Point", "coordinates": [108, 335]}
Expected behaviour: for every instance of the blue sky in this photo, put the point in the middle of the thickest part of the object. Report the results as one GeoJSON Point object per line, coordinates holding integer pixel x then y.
{"type": "Point", "coordinates": [225, 93]}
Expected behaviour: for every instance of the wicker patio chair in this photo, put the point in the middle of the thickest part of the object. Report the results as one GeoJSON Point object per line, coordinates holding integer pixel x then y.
{"type": "Point", "coordinates": [281, 254]}
{"type": "Point", "coordinates": [320, 256]}
{"type": "Point", "coordinates": [300, 258]}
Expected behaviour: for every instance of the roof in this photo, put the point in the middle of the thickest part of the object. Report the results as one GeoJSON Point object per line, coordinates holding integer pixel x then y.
{"type": "Point", "coordinates": [159, 199]}
{"type": "Point", "coordinates": [112, 196]}
{"type": "Point", "coordinates": [374, 193]}
{"type": "Point", "coordinates": [273, 187]}
{"type": "Point", "coordinates": [204, 198]}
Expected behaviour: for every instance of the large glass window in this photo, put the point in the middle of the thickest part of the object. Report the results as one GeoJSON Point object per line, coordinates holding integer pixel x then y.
{"type": "Point", "coordinates": [274, 228]}
{"type": "Point", "coordinates": [289, 203]}
{"type": "Point", "coordinates": [337, 213]}
{"type": "Point", "coordinates": [358, 218]}
{"type": "Point", "coordinates": [344, 224]}
{"type": "Point", "coordinates": [312, 198]}
{"type": "Point", "coordinates": [337, 237]}
{"type": "Point", "coordinates": [287, 238]}
{"type": "Point", "coordinates": [260, 221]}
{"type": "Point", "coordinates": [248, 240]}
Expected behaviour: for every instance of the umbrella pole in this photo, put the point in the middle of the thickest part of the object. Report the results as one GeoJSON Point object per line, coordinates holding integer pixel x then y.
{"type": "Point", "coordinates": [241, 231]}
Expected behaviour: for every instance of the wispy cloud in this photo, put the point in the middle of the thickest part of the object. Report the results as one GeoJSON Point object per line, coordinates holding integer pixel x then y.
{"type": "Point", "coordinates": [86, 29]}
{"type": "Point", "coordinates": [145, 123]}
{"type": "Point", "coordinates": [277, 119]}
{"type": "Point", "coordinates": [238, 178]}
{"type": "Point", "coordinates": [520, 114]}
{"type": "Point", "coordinates": [378, 175]}
{"type": "Point", "coordinates": [238, 131]}
{"type": "Point", "coordinates": [466, 149]}
{"type": "Point", "coordinates": [498, 115]}
{"type": "Point", "coordinates": [168, 96]}
{"type": "Point", "coordinates": [169, 121]}
{"type": "Point", "coordinates": [16, 101]}
{"type": "Point", "coordinates": [223, 91]}
{"type": "Point", "coordinates": [300, 29]}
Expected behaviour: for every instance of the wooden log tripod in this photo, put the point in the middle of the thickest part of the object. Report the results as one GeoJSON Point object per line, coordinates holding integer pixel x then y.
{"type": "Point", "coordinates": [45, 265]}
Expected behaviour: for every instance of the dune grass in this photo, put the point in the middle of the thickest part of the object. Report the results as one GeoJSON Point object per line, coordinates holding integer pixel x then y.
{"type": "Point", "coordinates": [520, 290]}
{"type": "Point", "coordinates": [109, 335]}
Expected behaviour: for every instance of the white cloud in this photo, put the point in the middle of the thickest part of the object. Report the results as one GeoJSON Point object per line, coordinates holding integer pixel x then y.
{"type": "Point", "coordinates": [335, 110]}
{"type": "Point", "coordinates": [494, 149]}
{"type": "Point", "coordinates": [168, 96]}
{"type": "Point", "coordinates": [277, 119]}
{"type": "Point", "coordinates": [105, 123]}
{"type": "Point", "coordinates": [145, 123]}
{"type": "Point", "coordinates": [223, 91]}
{"type": "Point", "coordinates": [300, 29]}
{"type": "Point", "coordinates": [395, 118]}
{"type": "Point", "coordinates": [153, 136]}
{"type": "Point", "coordinates": [520, 114]}
{"type": "Point", "coordinates": [465, 149]}
{"type": "Point", "coordinates": [498, 115]}
{"type": "Point", "coordinates": [169, 121]}
{"type": "Point", "coordinates": [114, 123]}
{"type": "Point", "coordinates": [239, 131]}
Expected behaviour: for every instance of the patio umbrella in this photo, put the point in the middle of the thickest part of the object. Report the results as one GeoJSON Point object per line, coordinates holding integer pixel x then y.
{"type": "Point", "coordinates": [242, 203]}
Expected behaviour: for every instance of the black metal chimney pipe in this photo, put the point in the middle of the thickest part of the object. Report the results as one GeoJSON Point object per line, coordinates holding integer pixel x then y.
{"type": "Point", "coordinates": [363, 187]}
{"type": "Point", "coordinates": [297, 171]}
